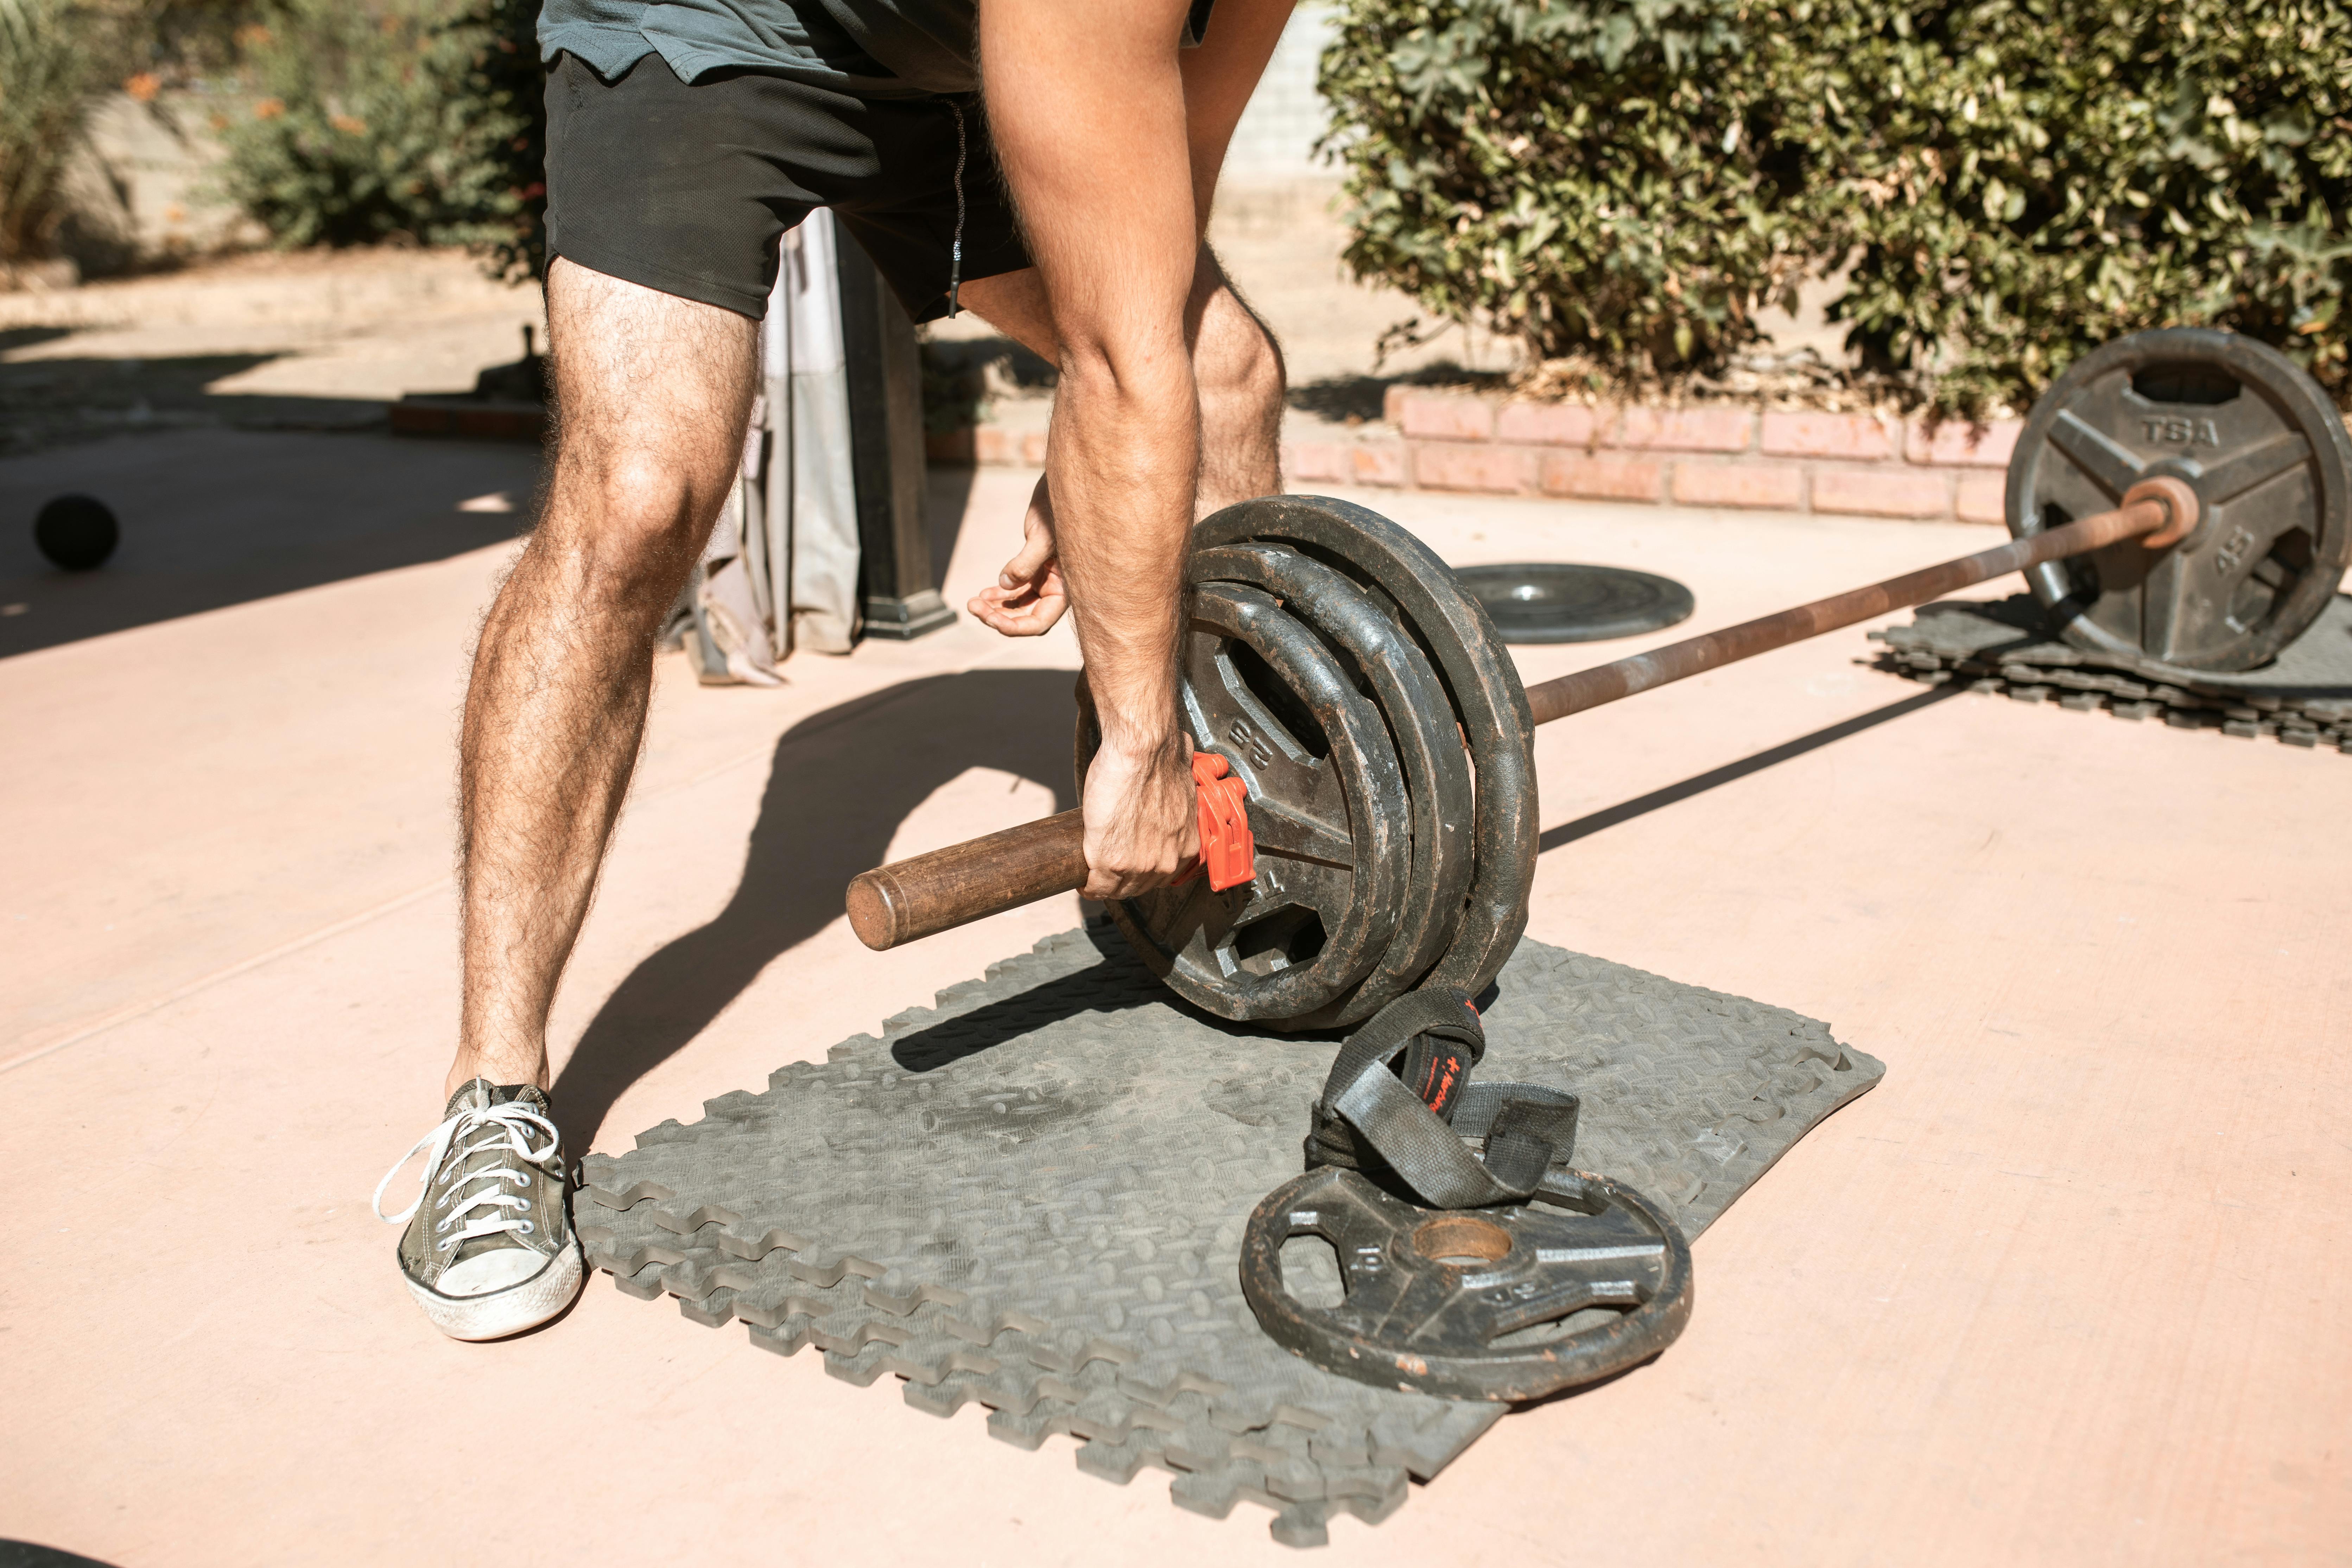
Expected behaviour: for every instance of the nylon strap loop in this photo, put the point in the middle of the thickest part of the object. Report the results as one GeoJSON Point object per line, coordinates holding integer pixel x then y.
{"type": "Point", "coordinates": [1372, 1116]}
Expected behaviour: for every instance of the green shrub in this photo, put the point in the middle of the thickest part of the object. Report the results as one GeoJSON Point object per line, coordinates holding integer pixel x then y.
{"type": "Point", "coordinates": [2012, 182]}
{"type": "Point", "coordinates": [54, 60]}
{"type": "Point", "coordinates": [2023, 181]}
{"type": "Point", "coordinates": [505, 80]}
{"type": "Point", "coordinates": [1578, 175]}
{"type": "Point", "coordinates": [375, 121]}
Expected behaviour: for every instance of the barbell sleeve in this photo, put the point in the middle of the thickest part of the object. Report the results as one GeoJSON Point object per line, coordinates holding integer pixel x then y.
{"type": "Point", "coordinates": [922, 895]}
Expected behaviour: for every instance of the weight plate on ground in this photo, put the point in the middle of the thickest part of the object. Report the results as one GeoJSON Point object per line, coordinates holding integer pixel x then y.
{"type": "Point", "coordinates": [2258, 441]}
{"type": "Point", "coordinates": [1481, 684]}
{"type": "Point", "coordinates": [1554, 601]}
{"type": "Point", "coordinates": [1327, 807]}
{"type": "Point", "coordinates": [1513, 1302]}
{"type": "Point", "coordinates": [1395, 675]}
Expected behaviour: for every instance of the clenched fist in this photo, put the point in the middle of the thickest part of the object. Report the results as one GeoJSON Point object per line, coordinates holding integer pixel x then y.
{"type": "Point", "coordinates": [1142, 821]}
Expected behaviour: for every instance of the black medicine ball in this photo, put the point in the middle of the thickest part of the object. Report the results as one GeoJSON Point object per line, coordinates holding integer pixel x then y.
{"type": "Point", "coordinates": [77, 532]}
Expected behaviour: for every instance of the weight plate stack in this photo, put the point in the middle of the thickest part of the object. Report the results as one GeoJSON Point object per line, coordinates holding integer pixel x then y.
{"type": "Point", "coordinates": [2268, 456]}
{"type": "Point", "coordinates": [1363, 696]}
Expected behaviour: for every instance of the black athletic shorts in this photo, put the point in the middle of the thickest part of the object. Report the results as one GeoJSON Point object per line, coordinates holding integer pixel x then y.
{"type": "Point", "coordinates": [688, 189]}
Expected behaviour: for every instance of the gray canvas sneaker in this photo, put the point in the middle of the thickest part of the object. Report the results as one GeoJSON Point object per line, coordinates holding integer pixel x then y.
{"type": "Point", "coordinates": [488, 1248]}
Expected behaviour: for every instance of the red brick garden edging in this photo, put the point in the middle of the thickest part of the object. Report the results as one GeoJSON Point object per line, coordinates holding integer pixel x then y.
{"type": "Point", "coordinates": [1868, 464]}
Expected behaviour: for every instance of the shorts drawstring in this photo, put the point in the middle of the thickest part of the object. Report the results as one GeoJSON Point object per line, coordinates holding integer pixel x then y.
{"type": "Point", "coordinates": [955, 251]}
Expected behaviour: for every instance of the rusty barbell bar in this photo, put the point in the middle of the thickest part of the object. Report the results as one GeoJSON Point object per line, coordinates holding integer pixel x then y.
{"type": "Point", "coordinates": [2159, 512]}
{"type": "Point", "coordinates": [925, 894]}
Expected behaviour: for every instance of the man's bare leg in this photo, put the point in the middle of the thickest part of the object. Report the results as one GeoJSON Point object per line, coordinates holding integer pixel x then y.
{"type": "Point", "coordinates": [1236, 366]}
{"type": "Point", "coordinates": [652, 394]}
{"type": "Point", "coordinates": [1236, 360]}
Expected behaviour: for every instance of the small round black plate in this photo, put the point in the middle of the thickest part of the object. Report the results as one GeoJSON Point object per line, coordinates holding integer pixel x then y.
{"type": "Point", "coordinates": [1532, 602]}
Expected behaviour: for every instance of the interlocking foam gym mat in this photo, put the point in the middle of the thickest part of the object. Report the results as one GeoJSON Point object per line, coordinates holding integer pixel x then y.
{"type": "Point", "coordinates": [2007, 645]}
{"type": "Point", "coordinates": [1032, 1194]}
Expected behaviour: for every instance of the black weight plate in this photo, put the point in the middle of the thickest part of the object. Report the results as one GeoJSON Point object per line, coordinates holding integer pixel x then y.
{"type": "Point", "coordinates": [1471, 1303]}
{"type": "Point", "coordinates": [1326, 805]}
{"type": "Point", "coordinates": [1554, 601]}
{"type": "Point", "coordinates": [1481, 684]}
{"type": "Point", "coordinates": [2267, 453]}
{"type": "Point", "coordinates": [1396, 676]}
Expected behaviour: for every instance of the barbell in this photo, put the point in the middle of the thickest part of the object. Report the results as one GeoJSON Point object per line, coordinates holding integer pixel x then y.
{"type": "Point", "coordinates": [2179, 500]}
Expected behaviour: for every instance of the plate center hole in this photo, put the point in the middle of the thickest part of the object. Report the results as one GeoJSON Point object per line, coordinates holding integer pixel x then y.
{"type": "Point", "coordinates": [1463, 1240]}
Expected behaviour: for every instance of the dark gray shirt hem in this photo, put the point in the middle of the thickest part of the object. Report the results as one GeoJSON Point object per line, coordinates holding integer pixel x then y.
{"type": "Point", "coordinates": [611, 51]}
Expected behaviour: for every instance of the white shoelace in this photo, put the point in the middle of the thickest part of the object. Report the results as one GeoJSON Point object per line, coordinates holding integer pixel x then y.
{"type": "Point", "coordinates": [506, 1128]}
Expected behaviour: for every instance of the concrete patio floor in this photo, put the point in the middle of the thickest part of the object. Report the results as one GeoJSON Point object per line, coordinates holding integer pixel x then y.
{"type": "Point", "coordinates": [2069, 1287]}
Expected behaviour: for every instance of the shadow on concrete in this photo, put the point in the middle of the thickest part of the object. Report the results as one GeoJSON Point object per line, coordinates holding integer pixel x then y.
{"type": "Point", "coordinates": [27, 1554]}
{"type": "Point", "coordinates": [48, 403]}
{"type": "Point", "coordinates": [212, 518]}
{"type": "Point", "coordinates": [892, 749]}
{"type": "Point", "coordinates": [14, 337]}
{"type": "Point", "coordinates": [1700, 783]}
{"type": "Point", "coordinates": [841, 783]}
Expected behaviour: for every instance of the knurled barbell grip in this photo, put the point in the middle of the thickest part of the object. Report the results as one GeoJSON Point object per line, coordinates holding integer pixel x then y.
{"type": "Point", "coordinates": [927, 894]}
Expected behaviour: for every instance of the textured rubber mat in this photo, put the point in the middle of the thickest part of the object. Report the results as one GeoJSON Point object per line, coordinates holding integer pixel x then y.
{"type": "Point", "coordinates": [2304, 697]}
{"type": "Point", "coordinates": [1032, 1196]}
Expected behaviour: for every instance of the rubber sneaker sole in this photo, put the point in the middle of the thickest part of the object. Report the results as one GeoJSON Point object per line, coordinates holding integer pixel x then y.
{"type": "Point", "coordinates": [502, 1313]}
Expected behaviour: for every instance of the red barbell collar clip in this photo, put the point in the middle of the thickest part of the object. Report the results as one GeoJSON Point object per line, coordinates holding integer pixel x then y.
{"type": "Point", "coordinates": [1228, 853]}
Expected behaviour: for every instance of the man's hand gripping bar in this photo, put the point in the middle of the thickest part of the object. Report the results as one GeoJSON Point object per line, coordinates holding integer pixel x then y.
{"type": "Point", "coordinates": [894, 904]}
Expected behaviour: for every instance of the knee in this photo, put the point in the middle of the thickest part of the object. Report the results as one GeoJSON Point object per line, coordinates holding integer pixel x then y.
{"type": "Point", "coordinates": [633, 521]}
{"type": "Point", "coordinates": [645, 505]}
{"type": "Point", "coordinates": [1238, 358]}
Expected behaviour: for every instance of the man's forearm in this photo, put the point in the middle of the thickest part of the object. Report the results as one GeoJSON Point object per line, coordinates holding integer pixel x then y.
{"type": "Point", "coordinates": [1087, 107]}
{"type": "Point", "coordinates": [1125, 450]}
{"type": "Point", "coordinates": [1122, 461]}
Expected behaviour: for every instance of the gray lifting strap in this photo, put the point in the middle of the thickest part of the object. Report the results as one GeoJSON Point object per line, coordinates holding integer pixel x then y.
{"type": "Point", "coordinates": [1412, 1118]}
